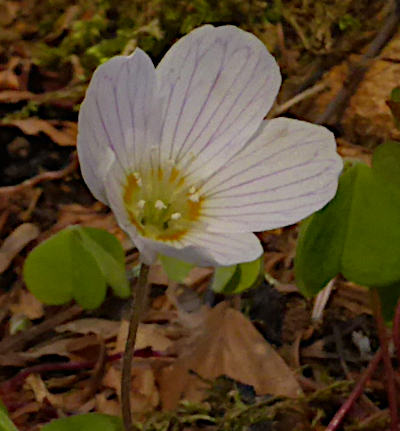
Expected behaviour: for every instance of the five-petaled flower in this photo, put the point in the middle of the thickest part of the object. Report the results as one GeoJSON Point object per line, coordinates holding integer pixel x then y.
{"type": "Point", "coordinates": [183, 157]}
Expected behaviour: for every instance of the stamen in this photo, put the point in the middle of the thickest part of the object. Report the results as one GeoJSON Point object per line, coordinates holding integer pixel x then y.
{"type": "Point", "coordinates": [176, 216]}
{"type": "Point", "coordinates": [195, 197]}
{"type": "Point", "coordinates": [192, 190]}
{"type": "Point", "coordinates": [138, 179]}
{"type": "Point", "coordinates": [141, 204]}
{"type": "Point", "coordinates": [160, 205]}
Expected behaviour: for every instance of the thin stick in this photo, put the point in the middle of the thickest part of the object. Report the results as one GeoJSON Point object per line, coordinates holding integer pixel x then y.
{"type": "Point", "coordinates": [337, 106]}
{"type": "Point", "coordinates": [137, 304]}
{"type": "Point", "coordinates": [45, 176]}
{"type": "Point", "coordinates": [280, 109]}
{"type": "Point", "coordinates": [356, 393]}
{"type": "Point", "coordinates": [387, 362]}
{"type": "Point", "coordinates": [18, 341]}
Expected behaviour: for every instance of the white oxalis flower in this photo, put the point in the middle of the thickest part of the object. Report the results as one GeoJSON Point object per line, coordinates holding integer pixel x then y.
{"type": "Point", "coordinates": [182, 155]}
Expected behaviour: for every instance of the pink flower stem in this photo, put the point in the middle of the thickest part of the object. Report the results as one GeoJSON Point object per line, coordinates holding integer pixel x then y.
{"type": "Point", "coordinates": [396, 331]}
{"type": "Point", "coordinates": [387, 362]}
{"type": "Point", "coordinates": [356, 393]}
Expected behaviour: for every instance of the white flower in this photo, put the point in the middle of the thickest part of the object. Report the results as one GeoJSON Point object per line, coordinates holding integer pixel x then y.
{"type": "Point", "coordinates": [182, 155]}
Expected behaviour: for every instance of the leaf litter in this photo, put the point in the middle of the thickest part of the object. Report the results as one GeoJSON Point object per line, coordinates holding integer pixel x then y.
{"type": "Point", "coordinates": [237, 365]}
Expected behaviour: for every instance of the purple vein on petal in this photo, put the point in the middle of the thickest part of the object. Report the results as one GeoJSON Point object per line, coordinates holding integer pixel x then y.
{"type": "Point", "coordinates": [281, 186]}
{"type": "Point", "coordinates": [224, 148]}
{"type": "Point", "coordinates": [273, 201]}
{"type": "Point", "coordinates": [199, 114]}
{"type": "Point", "coordinates": [185, 97]}
{"type": "Point", "coordinates": [258, 163]}
{"type": "Point", "coordinates": [305, 205]}
{"type": "Point", "coordinates": [117, 110]}
{"type": "Point", "coordinates": [132, 111]}
{"type": "Point", "coordinates": [211, 116]}
{"type": "Point", "coordinates": [172, 87]}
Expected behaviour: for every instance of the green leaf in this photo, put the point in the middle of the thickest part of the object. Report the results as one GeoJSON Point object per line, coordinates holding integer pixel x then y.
{"type": "Point", "coordinates": [371, 253]}
{"type": "Point", "coordinates": [358, 232]}
{"type": "Point", "coordinates": [389, 296]}
{"type": "Point", "coordinates": [110, 257]}
{"type": "Point", "coordinates": [87, 422]}
{"type": "Point", "coordinates": [176, 269]}
{"type": "Point", "coordinates": [75, 264]}
{"type": "Point", "coordinates": [88, 281]}
{"type": "Point", "coordinates": [394, 105]}
{"type": "Point", "coordinates": [395, 95]}
{"type": "Point", "coordinates": [222, 276]}
{"type": "Point", "coordinates": [250, 274]}
{"type": "Point", "coordinates": [47, 270]}
{"type": "Point", "coordinates": [321, 240]}
{"type": "Point", "coordinates": [6, 423]}
{"type": "Point", "coordinates": [386, 163]}
{"type": "Point", "coordinates": [235, 279]}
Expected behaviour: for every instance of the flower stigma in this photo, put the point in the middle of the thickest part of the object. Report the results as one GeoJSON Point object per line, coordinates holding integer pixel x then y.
{"type": "Point", "coordinates": [161, 207]}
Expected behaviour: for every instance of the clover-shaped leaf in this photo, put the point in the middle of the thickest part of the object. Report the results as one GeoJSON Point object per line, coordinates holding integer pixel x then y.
{"type": "Point", "coordinates": [176, 269]}
{"type": "Point", "coordinates": [237, 278]}
{"type": "Point", "coordinates": [76, 263]}
{"type": "Point", "coordinates": [358, 232]}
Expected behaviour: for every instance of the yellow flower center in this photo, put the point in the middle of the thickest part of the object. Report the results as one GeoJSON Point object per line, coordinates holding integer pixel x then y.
{"type": "Point", "coordinates": [161, 206]}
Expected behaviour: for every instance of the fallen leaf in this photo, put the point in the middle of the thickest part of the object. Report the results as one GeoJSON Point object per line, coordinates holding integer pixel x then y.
{"type": "Point", "coordinates": [14, 96]}
{"type": "Point", "coordinates": [61, 132]}
{"type": "Point", "coordinates": [104, 328]}
{"type": "Point", "coordinates": [148, 335]}
{"type": "Point", "coordinates": [71, 347]}
{"type": "Point", "coordinates": [27, 305]}
{"type": "Point", "coordinates": [368, 115]}
{"type": "Point", "coordinates": [8, 12]}
{"type": "Point", "coordinates": [229, 345]}
{"type": "Point", "coordinates": [144, 394]}
{"type": "Point", "coordinates": [8, 80]}
{"type": "Point", "coordinates": [15, 242]}
{"type": "Point", "coordinates": [105, 405]}
{"type": "Point", "coordinates": [15, 74]}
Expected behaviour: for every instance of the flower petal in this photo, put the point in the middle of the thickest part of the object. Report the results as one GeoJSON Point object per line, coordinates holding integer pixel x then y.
{"type": "Point", "coordinates": [287, 171]}
{"type": "Point", "coordinates": [117, 119]}
{"type": "Point", "coordinates": [207, 249]}
{"type": "Point", "coordinates": [217, 85]}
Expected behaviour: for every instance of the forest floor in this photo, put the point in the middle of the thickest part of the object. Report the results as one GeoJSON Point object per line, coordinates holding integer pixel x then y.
{"type": "Point", "coordinates": [286, 362]}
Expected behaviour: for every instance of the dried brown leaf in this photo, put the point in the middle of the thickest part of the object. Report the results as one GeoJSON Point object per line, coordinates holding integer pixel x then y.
{"type": "Point", "coordinates": [27, 305]}
{"type": "Point", "coordinates": [15, 242]}
{"type": "Point", "coordinates": [229, 345]}
{"type": "Point", "coordinates": [149, 335]}
{"type": "Point", "coordinates": [144, 394]}
{"type": "Point", "coordinates": [105, 405]}
{"type": "Point", "coordinates": [61, 132]}
{"type": "Point", "coordinates": [104, 328]}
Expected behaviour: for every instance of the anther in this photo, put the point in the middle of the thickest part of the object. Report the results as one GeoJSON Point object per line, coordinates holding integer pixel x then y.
{"type": "Point", "coordinates": [176, 216]}
{"type": "Point", "coordinates": [192, 190]}
{"type": "Point", "coordinates": [194, 197]}
{"type": "Point", "coordinates": [141, 204]}
{"type": "Point", "coordinates": [138, 178]}
{"type": "Point", "coordinates": [160, 205]}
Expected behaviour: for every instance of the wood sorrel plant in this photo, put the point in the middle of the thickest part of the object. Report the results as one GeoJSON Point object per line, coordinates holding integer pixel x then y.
{"type": "Point", "coordinates": [183, 157]}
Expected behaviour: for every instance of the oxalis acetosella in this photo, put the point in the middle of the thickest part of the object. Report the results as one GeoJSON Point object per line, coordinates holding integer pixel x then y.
{"type": "Point", "coordinates": [184, 158]}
